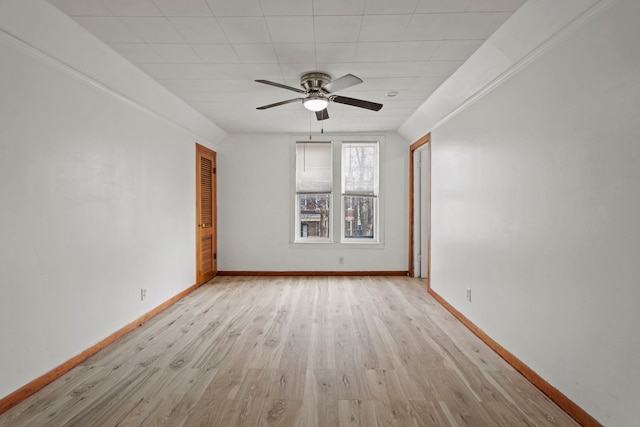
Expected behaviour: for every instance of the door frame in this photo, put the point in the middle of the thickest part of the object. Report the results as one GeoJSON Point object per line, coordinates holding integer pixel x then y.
{"type": "Point", "coordinates": [425, 140]}
{"type": "Point", "coordinates": [202, 150]}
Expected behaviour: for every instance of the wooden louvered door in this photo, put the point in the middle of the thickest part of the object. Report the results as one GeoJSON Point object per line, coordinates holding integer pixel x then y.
{"type": "Point", "coordinates": [206, 214]}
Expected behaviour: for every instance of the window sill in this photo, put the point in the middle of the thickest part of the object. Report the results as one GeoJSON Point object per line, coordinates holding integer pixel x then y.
{"type": "Point", "coordinates": [336, 245]}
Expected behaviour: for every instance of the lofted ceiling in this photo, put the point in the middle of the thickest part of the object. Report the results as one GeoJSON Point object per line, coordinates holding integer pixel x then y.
{"type": "Point", "coordinates": [209, 52]}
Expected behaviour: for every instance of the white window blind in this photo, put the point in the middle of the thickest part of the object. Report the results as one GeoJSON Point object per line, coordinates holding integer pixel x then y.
{"type": "Point", "coordinates": [313, 167]}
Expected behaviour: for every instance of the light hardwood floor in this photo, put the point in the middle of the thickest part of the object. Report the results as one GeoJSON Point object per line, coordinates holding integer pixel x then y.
{"type": "Point", "coordinates": [295, 351]}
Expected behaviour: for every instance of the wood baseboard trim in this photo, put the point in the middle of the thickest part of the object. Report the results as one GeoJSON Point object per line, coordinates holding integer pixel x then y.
{"type": "Point", "coordinates": [313, 273]}
{"type": "Point", "coordinates": [27, 390]}
{"type": "Point", "coordinates": [571, 408]}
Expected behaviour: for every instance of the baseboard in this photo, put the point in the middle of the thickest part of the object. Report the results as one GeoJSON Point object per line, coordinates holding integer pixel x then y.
{"type": "Point", "coordinates": [23, 392]}
{"type": "Point", "coordinates": [571, 408]}
{"type": "Point", "coordinates": [313, 273]}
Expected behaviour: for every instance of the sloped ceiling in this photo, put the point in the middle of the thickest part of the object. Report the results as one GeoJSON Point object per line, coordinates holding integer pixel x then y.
{"type": "Point", "coordinates": [209, 52]}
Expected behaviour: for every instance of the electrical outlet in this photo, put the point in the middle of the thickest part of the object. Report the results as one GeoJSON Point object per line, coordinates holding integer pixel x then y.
{"type": "Point", "coordinates": [469, 294]}
{"type": "Point", "coordinates": [143, 294]}
{"type": "Point", "coordinates": [340, 260]}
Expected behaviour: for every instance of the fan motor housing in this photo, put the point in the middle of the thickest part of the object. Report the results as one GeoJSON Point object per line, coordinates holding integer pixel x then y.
{"type": "Point", "coordinates": [314, 81]}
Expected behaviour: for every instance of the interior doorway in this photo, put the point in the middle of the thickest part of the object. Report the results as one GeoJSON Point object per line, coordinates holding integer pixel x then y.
{"type": "Point", "coordinates": [419, 207]}
{"type": "Point", "coordinates": [206, 223]}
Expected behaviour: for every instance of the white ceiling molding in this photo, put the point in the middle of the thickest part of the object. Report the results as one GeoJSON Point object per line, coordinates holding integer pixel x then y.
{"type": "Point", "coordinates": [533, 29]}
{"type": "Point", "coordinates": [45, 31]}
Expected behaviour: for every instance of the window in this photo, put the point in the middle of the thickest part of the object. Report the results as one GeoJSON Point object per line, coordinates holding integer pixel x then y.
{"type": "Point", "coordinates": [355, 184]}
{"type": "Point", "coordinates": [359, 191]}
{"type": "Point", "coordinates": [314, 187]}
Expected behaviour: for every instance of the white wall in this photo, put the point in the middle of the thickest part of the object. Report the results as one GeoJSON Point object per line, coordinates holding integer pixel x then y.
{"type": "Point", "coordinates": [97, 201]}
{"type": "Point", "coordinates": [255, 210]}
{"type": "Point", "coordinates": [535, 207]}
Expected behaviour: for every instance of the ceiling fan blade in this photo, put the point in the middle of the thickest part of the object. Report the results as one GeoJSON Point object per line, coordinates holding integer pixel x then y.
{"type": "Point", "coordinates": [322, 115]}
{"type": "Point", "coordinates": [267, 82]}
{"type": "Point", "coordinates": [288, 101]}
{"type": "Point", "coordinates": [356, 102]}
{"type": "Point", "coordinates": [343, 82]}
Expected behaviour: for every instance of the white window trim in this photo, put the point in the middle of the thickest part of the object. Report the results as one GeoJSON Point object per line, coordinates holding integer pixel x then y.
{"type": "Point", "coordinates": [336, 232]}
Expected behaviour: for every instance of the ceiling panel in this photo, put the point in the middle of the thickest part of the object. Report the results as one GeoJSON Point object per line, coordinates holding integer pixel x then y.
{"type": "Point", "coordinates": [256, 53]}
{"type": "Point", "coordinates": [383, 27]}
{"type": "Point", "coordinates": [338, 7]}
{"type": "Point", "coordinates": [335, 52]}
{"type": "Point", "coordinates": [183, 7]}
{"type": "Point", "coordinates": [415, 50]}
{"type": "Point", "coordinates": [235, 7]}
{"type": "Point", "coordinates": [215, 53]}
{"type": "Point", "coordinates": [209, 52]}
{"type": "Point", "coordinates": [432, 26]}
{"type": "Point", "coordinates": [341, 29]}
{"type": "Point", "coordinates": [294, 53]}
{"type": "Point", "coordinates": [153, 29]}
{"type": "Point", "coordinates": [199, 29]}
{"type": "Point", "coordinates": [291, 29]}
{"type": "Point", "coordinates": [132, 7]}
{"type": "Point", "coordinates": [386, 7]}
{"type": "Point", "coordinates": [220, 85]}
{"type": "Point", "coordinates": [245, 29]}
{"type": "Point", "coordinates": [442, 6]}
{"type": "Point", "coordinates": [494, 5]}
{"type": "Point", "coordinates": [263, 71]}
{"type": "Point", "coordinates": [176, 53]}
{"type": "Point", "coordinates": [375, 52]}
{"type": "Point", "coordinates": [287, 7]}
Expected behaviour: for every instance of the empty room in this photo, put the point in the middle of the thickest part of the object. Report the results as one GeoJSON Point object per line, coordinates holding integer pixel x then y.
{"type": "Point", "coordinates": [319, 213]}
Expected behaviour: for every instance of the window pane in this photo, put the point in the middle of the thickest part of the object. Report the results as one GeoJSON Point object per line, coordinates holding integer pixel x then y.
{"type": "Point", "coordinates": [313, 215]}
{"type": "Point", "coordinates": [359, 218]}
{"type": "Point", "coordinates": [358, 168]}
{"type": "Point", "coordinates": [313, 167]}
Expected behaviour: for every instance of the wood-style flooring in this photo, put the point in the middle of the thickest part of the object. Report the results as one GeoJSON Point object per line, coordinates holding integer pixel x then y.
{"type": "Point", "coordinates": [295, 351]}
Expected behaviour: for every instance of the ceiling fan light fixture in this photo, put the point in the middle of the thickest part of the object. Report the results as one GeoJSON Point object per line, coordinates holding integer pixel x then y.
{"type": "Point", "coordinates": [315, 103]}
{"type": "Point", "coordinates": [319, 90]}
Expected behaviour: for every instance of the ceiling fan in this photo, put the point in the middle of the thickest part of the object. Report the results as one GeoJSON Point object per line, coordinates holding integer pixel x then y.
{"type": "Point", "coordinates": [319, 88]}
